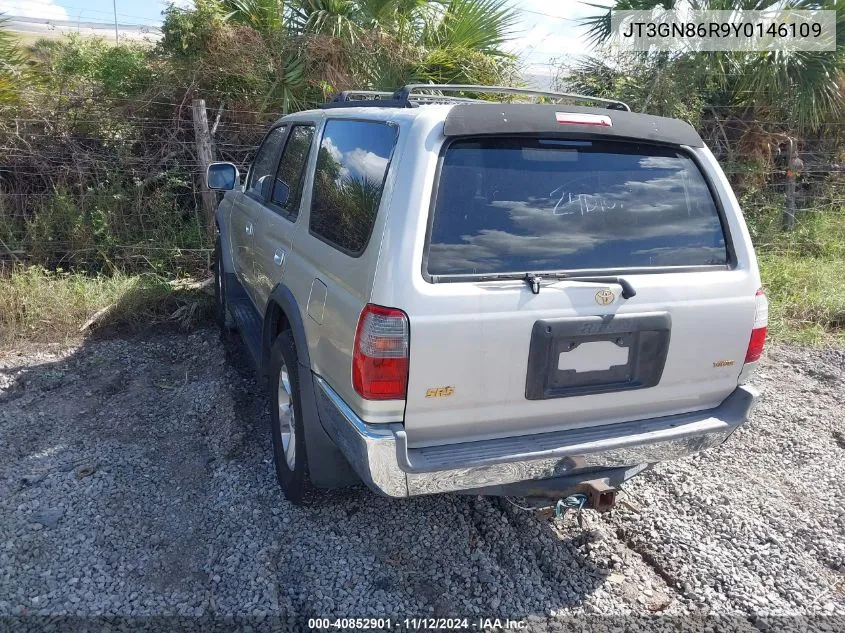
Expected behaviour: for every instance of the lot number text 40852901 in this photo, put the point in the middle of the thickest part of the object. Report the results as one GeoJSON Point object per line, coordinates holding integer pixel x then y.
{"type": "Point", "coordinates": [417, 624]}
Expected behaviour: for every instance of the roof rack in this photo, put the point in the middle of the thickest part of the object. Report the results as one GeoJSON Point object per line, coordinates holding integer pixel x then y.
{"type": "Point", "coordinates": [406, 93]}
{"type": "Point", "coordinates": [364, 99]}
{"type": "Point", "coordinates": [413, 95]}
{"type": "Point", "coordinates": [347, 95]}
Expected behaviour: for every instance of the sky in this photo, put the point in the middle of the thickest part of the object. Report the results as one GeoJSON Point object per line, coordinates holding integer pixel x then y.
{"type": "Point", "coordinates": [546, 30]}
{"type": "Point", "coordinates": [146, 13]}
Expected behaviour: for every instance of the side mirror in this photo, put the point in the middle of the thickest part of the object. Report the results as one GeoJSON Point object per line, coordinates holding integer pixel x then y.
{"type": "Point", "coordinates": [222, 176]}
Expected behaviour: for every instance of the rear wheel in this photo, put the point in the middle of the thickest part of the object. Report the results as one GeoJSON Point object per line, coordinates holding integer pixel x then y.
{"type": "Point", "coordinates": [286, 421]}
{"type": "Point", "coordinates": [221, 310]}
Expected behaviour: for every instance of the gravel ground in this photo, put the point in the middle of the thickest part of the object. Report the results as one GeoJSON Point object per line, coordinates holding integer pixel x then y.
{"type": "Point", "coordinates": [136, 479]}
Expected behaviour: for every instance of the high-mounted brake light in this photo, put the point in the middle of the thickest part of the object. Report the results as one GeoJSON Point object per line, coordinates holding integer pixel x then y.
{"type": "Point", "coordinates": [758, 333]}
{"type": "Point", "coordinates": [380, 355]}
{"type": "Point", "coordinates": [575, 118]}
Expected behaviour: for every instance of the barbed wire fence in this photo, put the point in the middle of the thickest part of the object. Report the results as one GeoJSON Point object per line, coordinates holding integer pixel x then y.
{"type": "Point", "coordinates": [105, 186]}
{"type": "Point", "coordinates": [116, 184]}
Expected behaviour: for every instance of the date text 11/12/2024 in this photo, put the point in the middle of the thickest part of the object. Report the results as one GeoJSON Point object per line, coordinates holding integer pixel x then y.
{"type": "Point", "coordinates": [417, 624]}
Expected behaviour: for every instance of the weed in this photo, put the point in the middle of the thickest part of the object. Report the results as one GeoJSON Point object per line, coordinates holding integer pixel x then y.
{"type": "Point", "coordinates": [42, 305]}
{"type": "Point", "coordinates": [807, 298]}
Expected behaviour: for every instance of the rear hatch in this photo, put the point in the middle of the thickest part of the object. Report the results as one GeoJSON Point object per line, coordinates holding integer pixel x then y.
{"type": "Point", "coordinates": [521, 325]}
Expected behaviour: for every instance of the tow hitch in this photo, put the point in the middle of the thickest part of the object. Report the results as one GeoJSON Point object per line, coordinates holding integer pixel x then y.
{"type": "Point", "coordinates": [601, 496]}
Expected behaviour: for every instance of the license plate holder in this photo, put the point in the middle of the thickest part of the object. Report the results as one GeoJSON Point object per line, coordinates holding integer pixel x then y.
{"type": "Point", "coordinates": [645, 336]}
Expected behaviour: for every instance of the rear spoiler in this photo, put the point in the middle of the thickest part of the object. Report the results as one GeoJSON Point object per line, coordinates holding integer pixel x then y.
{"type": "Point", "coordinates": [479, 119]}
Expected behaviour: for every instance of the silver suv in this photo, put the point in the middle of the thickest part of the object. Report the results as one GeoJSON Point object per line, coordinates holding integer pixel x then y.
{"type": "Point", "coordinates": [454, 295]}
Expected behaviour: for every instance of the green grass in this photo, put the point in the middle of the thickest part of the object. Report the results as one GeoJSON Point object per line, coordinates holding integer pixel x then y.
{"type": "Point", "coordinates": [803, 270]}
{"type": "Point", "coordinates": [43, 306]}
{"type": "Point", "coordinates": [806, 298]}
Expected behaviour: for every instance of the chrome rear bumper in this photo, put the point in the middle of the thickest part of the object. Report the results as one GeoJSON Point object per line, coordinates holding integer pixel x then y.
{"type": "Point", "coordinates": [380, 455]}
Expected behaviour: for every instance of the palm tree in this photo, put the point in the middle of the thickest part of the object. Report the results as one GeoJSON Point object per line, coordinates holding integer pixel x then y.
{"type": "Point", "coordinates": [390, 41]}
{"type": "Point", "coordinates": [340, 19]}
{"type": "Point", "coordinates": [482, 26]}
{"type": "Point", "coordinates": [265, 16]}
{"type": "Point", "coordinates": [809, 87]}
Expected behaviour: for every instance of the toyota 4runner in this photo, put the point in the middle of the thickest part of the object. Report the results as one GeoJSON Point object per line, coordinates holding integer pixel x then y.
{"type": "Point", "coordinates": [455, 295]}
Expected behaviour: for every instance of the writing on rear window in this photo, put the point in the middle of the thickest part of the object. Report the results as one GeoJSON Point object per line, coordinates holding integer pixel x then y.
{"type": "Point", "coordinates": [529, 205]}
{"type": "Point", "coordinates": [572, 203]}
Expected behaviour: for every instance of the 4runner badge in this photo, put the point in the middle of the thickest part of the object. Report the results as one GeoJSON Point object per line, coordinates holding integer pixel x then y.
{"type": "Point", "coordinates": [723, 363]}
{"type": "Point", "coordinates": [605, 297]}
{"type": "Point", "coordinates": [439, 392]}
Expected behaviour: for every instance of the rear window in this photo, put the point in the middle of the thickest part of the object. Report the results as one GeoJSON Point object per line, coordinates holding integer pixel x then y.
{"type": "Point", "coordinates": [530, 205]}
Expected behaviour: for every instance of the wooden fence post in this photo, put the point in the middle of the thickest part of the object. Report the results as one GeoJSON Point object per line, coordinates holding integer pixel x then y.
{"type": "Point", "coordinates": [789, 210]}
{"type": "Point", "coordinates": [205, 156]}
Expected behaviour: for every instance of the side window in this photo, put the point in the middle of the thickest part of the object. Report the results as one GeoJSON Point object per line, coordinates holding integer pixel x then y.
{"type": "Point", "coordinates": [288, 186]}
{"type": "Point", "coordinates": [265, 163]}
{"type": "Point", "coordinates": [348, 182]}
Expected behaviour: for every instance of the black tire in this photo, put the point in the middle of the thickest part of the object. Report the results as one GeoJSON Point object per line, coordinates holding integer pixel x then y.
{"type": "Point", "coordinates": [291, 463]}
{"type": "Point", "coordinates": [221, 312]}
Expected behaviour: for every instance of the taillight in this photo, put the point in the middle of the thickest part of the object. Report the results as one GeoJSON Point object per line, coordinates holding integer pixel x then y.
{"type": "Point", "coordinates": [758, 334]}
{"type": "Point", "coordinates": [380, 356]}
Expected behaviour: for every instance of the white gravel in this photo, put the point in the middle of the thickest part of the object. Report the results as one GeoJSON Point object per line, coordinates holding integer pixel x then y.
{"type": "Point", "coordinates": [136, 480]}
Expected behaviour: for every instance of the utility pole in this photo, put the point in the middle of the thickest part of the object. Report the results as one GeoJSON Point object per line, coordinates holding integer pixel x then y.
{"type": "Point", "coordinates": [114, 6]}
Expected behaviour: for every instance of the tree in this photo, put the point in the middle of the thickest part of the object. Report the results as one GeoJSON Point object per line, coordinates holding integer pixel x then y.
{"type": "Point", "coordinates": [678, 89]}
{"type": "Point", "coordinates": [382, 43]}
{"type": "Point", "coordinates": [265, 16]}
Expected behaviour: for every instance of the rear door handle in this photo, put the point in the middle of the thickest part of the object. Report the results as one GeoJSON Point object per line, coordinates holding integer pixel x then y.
{"type": "Point", "coordinates": [279, 257]}
{"type": "Point", "coordinates": [248, 228]}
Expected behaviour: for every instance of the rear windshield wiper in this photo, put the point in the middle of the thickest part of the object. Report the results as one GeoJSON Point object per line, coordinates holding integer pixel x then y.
{"type": "Point", "coordinates": [534, 279]}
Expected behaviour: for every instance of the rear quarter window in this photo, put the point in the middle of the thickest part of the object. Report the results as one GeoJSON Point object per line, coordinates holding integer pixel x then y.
{"type": "Point", "coordinates": [530, 205]}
